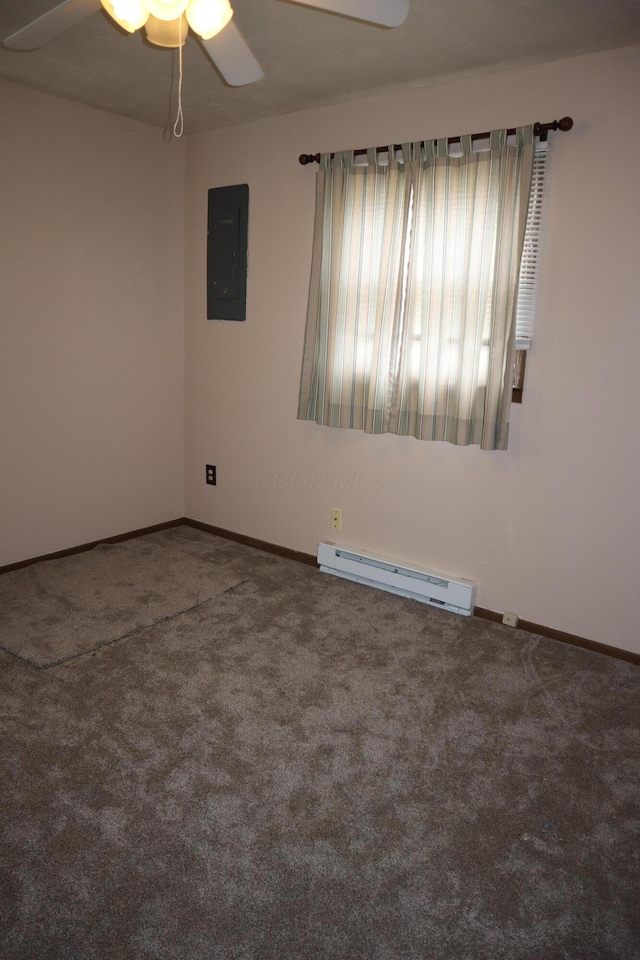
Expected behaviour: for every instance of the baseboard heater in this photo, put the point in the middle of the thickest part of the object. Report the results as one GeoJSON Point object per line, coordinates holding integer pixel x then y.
{"type": "Point", "coordinates": [458, 596]}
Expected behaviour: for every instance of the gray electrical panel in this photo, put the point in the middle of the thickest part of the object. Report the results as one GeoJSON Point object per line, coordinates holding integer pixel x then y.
{"type": "Point", "coordinates": [227, 252]}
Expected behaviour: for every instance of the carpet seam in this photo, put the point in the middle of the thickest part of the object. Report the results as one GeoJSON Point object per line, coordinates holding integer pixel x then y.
{"type": "Point", "coordinates": [43, 668]}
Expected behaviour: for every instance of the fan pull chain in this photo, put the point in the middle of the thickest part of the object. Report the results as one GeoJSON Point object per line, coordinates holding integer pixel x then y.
{"type": "Point", "coordinates": [178, 127]}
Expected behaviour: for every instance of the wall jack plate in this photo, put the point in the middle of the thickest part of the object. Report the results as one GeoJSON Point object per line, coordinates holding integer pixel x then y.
{"type": "Point", "coordinates": [211, 475]}
{"type": "Point", "coordinates": [510, 619]}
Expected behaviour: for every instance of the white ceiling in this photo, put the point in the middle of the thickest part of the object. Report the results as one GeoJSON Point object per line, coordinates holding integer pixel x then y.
{"type": "Point", "coordinates": [310, 58]}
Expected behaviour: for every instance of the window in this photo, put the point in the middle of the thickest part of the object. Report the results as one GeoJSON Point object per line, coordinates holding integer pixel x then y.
{"type": "Point", "coordinates": [413, 289]}
{"type": "Point", "coordinates": [527, 284]}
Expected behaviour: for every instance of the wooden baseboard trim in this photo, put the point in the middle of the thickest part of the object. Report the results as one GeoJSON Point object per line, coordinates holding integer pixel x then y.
{"type": "Point", "coordinates": [311, 560]}
{"type": "Point", "coordinates": [286, 552]}
{"type": "Point", "coordinates": [482, 612]}
{"type": "Point", "coordinates": [70, 551]}
{"type": "Point", "coordinates": [529, 627]}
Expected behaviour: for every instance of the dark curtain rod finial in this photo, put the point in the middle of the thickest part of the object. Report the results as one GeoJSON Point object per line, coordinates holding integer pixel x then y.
{"type": "Point", "coordinates": [540, 130]}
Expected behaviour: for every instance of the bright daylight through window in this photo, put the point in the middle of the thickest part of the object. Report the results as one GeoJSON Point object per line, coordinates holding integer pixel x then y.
{"type": "Point", "coordinates": [415, 272]}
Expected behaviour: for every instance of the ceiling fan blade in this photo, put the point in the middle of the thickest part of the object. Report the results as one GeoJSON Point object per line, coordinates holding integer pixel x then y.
{"type": "Point", "coordinates": [50, 25]}
{"type": "Point", "coordinates": [231, 55]}
{"type": "Point", "coordinates": [387, 13]}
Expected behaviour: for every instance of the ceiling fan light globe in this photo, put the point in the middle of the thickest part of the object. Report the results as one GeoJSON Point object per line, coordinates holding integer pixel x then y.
{"type": "Point", "coordinates": [167, 33]}
{"type": "Point", "coordinates": [166, 9]}
{"type": "Point", "coordinates": [128, 14]}
{"type": "Point", "coordinates": [208, 17]}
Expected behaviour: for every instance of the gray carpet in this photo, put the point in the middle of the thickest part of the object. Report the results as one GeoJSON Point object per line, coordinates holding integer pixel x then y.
{"type": "Point", "coordinates": [54, 611]}
{"type": "Point", "coordinates": [302, 767]}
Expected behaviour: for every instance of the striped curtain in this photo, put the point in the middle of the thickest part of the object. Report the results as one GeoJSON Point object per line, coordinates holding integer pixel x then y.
{"type": "Point", "coordinates": [413, 290]}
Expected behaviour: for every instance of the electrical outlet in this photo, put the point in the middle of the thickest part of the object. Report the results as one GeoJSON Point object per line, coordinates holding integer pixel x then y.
{"type": "Point", "coordinates": [336, 518]}
{"type": "Point", "coordinates": [211, 475]}
{"type": "Point", "coordinates": [510, 619]}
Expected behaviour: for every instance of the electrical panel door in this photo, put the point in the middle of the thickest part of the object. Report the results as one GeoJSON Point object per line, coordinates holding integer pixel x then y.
{"type": "Point", "coordinates": [227, 253]}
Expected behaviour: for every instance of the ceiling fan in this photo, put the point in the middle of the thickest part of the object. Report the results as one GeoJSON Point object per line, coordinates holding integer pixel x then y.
{"type": "Point", "coordinates": [167, 22]}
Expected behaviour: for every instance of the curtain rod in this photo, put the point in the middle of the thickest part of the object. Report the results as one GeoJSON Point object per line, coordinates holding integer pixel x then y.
{"type": "Point", "coordinates": [540, 130]}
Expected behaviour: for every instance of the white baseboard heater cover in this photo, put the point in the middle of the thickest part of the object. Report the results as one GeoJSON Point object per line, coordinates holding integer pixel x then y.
{"type": "Point", "coordinates": [457, 595]}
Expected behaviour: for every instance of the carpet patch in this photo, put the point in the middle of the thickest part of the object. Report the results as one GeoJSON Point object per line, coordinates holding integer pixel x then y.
{"type": "Point", "coordinates": [60, 609]}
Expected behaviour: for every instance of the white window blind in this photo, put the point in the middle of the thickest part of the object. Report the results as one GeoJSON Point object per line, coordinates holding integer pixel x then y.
{"type": "Point", "coordinates": [525, 310]}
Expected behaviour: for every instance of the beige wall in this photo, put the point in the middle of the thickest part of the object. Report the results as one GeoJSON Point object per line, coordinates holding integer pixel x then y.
{"type": "Point", "coordinates": [91, 351]}
{"type": "Point", "coordinates": [91, 358]}
{"type": "Point", "coordinates": [549, 528]}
